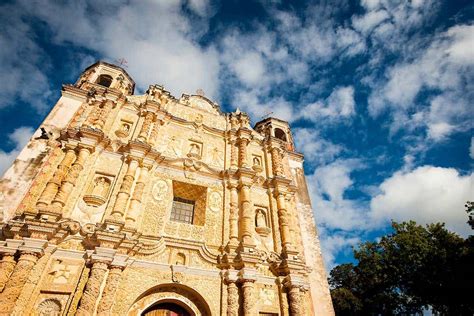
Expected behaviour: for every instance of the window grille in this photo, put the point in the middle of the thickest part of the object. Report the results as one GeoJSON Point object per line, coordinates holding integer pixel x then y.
{"type": "Point", "coordinates": [182, 211]}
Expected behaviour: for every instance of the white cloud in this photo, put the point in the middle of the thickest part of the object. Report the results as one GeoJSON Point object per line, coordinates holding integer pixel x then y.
{"type": "Point", "coordinates": [444, 69]}
{"type": "Point", "coordinates": [369, 20]}
{"type": "Point", "coordinates": [471, 149]}
{"type": "Point", "coordinates": [335, 243]}
{"type": "Point", "coordinates": [316, 149]}
{"type": "Point", "coordinates": [259, 106]}
{"type": "Point", "coordinates": [19, 138]}
{"type": "Point", "coordinates": [249, 68]}
{"type": "Point", "coordinates": [157, 38]}
{"type": "Point", "coordinates": [339, 105]}
{"type": "Point", "coordinates": [426, 195]}
{"type": "Point", "coordinates": [23, 63]}
{"type": "Point", "coordinates": [327, 186]}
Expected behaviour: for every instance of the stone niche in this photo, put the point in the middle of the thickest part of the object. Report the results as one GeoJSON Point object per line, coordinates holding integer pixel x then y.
{"type": "Point", "coordinates": [91, 207]}
{"type": "Point", "coordinates": [98, 190]}
{"type": "Point", "coordinates": [124, 129]}
{"type": "Point", "coordinates": [262, 221]}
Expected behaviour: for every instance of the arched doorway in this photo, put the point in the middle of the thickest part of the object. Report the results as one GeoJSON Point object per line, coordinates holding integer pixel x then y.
{"type": "Point", "coordinates": [169, 298]}
{"type": "Point", "coordinates": [166, 309]}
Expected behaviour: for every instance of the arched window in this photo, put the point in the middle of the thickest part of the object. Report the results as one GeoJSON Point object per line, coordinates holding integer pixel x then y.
{"type": "Point", "coordinates": [104, 80]}
{"type": "Point", "coordinates": [280, 134]}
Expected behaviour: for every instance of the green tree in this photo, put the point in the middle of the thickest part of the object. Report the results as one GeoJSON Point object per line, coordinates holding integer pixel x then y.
{"type": "Point", "coordinates": [412, 268]}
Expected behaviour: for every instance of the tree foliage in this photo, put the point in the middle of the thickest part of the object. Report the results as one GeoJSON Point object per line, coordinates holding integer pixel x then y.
{"type": "Point", "coordinates": [414, 267]}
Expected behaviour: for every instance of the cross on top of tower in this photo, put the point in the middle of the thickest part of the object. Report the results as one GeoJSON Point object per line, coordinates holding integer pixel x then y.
{"type": "Point", "coordinates": [122, 62]}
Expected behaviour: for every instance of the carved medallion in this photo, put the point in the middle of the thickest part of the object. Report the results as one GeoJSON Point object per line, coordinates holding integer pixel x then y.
{"type": "Point", "coordinates": [160, 190]}
{"type": "Point", "coordinates": [215, 201]}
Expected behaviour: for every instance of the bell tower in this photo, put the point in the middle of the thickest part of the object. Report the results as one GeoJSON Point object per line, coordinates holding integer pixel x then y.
{"type": "Point", "coordinates": [277, 130]}
{"type": "Point", "coordinates": [102, 75]}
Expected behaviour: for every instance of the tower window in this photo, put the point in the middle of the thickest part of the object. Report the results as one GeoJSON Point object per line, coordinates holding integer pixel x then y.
{"type": "Point", "coordinates": [280, 134]}
{"type": "Point", "coordinates": [182, 211]}
{"type": "Point", "coordinates": [104, 80]}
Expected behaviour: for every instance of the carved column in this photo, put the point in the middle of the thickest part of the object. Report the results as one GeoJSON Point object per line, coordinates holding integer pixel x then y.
{"type": "Point", "coordinates": [53, 184]}
{"type": "Point", "coordinates": [243, 142]}
{"type": "Point", "coordinates": [154, 132]}
{"type": "Point", "coordinates": [15, 284]}
{"type": "Point", "coordinates": [248, 297]}
{"type": "Point", "coordinates": [136, 201]}
{"type": "Point", "coordinates": [276, 161]}
{"type": "Point", "coordinates": [125, 189]}
{"type": "Point", "coordinates": [111, 285]}
{"type": "Point", "coordinates": [295, 299]}
{"type": "Point", "coordinates": [283, 221]}
{"type": "Point", "coordinates": [143, 136]}
{"type": "Point", "coordinates": [247, 217]}
{"type": "Point", "coordinates": [232, 299]}
{"type": "Point", "coordinates": [7, 265]}
{"type": "Point", "coordinates": [234, 157]}
{"type": "Point", "coordinates": [104, 113]}
{"type": "Point", "coordinates": [92, 290]}
{"type": "Point", "coordinates": [70, 179]}
{"type": "Point", "coordinates": [234, 215]}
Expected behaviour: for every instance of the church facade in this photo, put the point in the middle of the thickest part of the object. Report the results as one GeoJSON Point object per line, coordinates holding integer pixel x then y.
{"type": "Point", "coordinates": [124, 204]}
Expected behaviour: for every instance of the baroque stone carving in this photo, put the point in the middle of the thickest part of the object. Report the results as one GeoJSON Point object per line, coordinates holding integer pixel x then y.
{"type": "Point", "coordinates": [16, 282]}
{"type": "Point", "coordinates": [160, 190]}
{"type": "Point", "coordinates": [232, 299]}
{"type": "Point", "coordinates": [95, 201]}
{"type": "Point", "coordinates": [7, 264]}
{"type": "Point", "coordinates": [92, 290]}
{"type": "Point", "coordinates": [108, 296]}
{"type": "Point", "coordinates": [215, 201]}
{"type": "Point", "coordinates": [49, 307]}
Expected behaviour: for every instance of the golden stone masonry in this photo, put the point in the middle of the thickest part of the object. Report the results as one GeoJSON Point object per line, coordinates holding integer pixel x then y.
{"type": "Point", "coordinates": [125, 204]}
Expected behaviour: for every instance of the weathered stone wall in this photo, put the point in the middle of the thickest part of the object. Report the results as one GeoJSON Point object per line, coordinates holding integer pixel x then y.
{"type": "Point", "coordinates": [88, 231]}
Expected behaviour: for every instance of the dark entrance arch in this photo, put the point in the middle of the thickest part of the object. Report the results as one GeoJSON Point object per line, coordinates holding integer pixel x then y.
{"type": "Point", "coordinates": [166, 309]}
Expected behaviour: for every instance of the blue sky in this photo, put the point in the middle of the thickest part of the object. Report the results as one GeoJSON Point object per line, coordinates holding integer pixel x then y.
{"type": "Point", "coordinates": [379, 93]}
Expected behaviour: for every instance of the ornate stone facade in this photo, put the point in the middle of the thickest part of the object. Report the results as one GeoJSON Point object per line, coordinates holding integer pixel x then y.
{"type": "Point", "coordinates": [138, 203]}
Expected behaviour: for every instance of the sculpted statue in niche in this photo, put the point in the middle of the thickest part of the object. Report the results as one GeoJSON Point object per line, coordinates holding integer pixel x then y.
{"type": "Point", "coordinates": [180, 259]}
{"type": "Point", "coordinates": [194, 150]}
{"type": "Point", "coordinates": [101, 187]}
{"type": "Point", "coordinates": [124, 129]}
{"type": "Point", "coordinates": [257, 163]}
{"type": "Point", "coordinates": [49, 307]}
{"type": "Point", "coordinates": [98, 191]}
{"type": "Point", "coordinates": [261, 224]}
